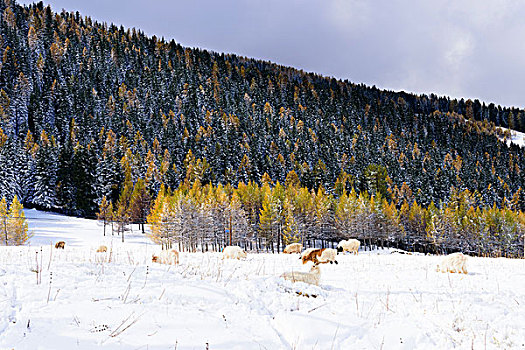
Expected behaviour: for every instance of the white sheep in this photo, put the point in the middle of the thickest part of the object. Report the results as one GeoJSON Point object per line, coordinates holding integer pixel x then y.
{"type": "Point", "coordinates": [312, 277]}
{"type": "Point", "coordinates": [168, 257]}
{"type": "Point", "coordinates": [455, 262]}
{"type": "Point", "coordinates": [328, 255]}
{"type": "Point", "coordinates": [233, 252]}
{"type": "Point", "coordinates": [351, 246]}
{"type": "Point", "coordinates": [293, 248]}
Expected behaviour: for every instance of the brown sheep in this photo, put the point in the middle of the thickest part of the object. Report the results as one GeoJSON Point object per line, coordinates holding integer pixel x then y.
{"type": "Point", "coordinates": [102, 249]}
{"type": "Point", "coordinates": [60, 244]}
{"type": "Point", "coordinates": [312, 255]}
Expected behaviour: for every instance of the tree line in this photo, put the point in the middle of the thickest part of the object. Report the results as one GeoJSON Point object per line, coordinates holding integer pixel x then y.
{"type": "Point", "coordinates": [269, 216]}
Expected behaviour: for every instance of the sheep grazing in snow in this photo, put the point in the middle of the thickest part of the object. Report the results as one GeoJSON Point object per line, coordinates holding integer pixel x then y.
{"type": "Point", "coordinates": [328, 256]}
{"type": "Point", "coordinates": [60, 245]}
{"type": "Point", "coordinates": [455, 262]}
{"type": "Point", "coordinates": [312, 254]}
{"type": "Point", "coordinates": [168, 257]}
{"type": "Point", "coordinates": [102, 249]}
{"type": "Point", "coordinates": [311, 277]}
{"type": "Point", "coordinates": [233, 252]}
{"type": "Point", "coordinates": [351, 246]}
{"type": "Point", "coordinates": [293, 248]}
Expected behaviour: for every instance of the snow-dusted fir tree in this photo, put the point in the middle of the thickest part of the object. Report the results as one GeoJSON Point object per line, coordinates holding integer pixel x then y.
{"type": "Point", "coordinates": [46, 173]}
{"type": "Point", "coordinates": [107, 170]}
{"type": "Point", "coordinates": [26, 154]}
{"type": "Point", "coordinates": [7, 161]}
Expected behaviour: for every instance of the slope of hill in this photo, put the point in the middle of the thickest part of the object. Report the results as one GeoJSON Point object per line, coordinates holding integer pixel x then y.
{"type": "Point", "coordinates": [86, 105]}
{"type": "Point", "coordinates": [374, 300]}
{"type": "Point", "coordinates": [48, 228]}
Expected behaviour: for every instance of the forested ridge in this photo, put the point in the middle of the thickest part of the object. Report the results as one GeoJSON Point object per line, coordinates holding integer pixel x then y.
{"type": "Point", "coordinates": [89, 110]}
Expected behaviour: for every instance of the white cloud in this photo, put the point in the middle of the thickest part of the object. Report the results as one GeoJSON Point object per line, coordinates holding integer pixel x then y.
{"type": "Point", "coordinates": [348, 14]}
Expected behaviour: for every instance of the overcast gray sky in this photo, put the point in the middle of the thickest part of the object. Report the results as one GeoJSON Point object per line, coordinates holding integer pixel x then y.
{"type": "Point", "coordinates": [466, 48]}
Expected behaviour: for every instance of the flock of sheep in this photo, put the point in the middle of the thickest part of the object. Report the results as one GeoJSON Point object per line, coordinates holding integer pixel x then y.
{"type": "Point", "coordinates": [454, 263]}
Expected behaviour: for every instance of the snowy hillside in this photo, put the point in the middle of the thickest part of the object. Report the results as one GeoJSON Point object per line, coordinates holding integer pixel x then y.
{"type": "Point", "coordinates": [517, 138]}
{"type": "Point", "coordinates": [49, 228]}
{"type": "Point", "coordinates": [378, 300]}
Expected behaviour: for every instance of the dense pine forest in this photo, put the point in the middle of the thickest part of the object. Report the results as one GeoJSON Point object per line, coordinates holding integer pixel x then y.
{"type": "Point", "coordinates": [100, 119]}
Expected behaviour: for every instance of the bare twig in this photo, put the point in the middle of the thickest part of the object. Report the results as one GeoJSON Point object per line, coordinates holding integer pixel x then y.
{"type": "Point", "coordinates": [38, 269]}
{"type": "Point", "coordinates": [161, 294]}
{"type": "Point", "coordinates": [101, 299]}
{"type": "Point", "coordinates": [50, 257]}
{"type": "Point", "coordinates": [131, 274]}
{"type": "Point", "coordinates": [55, 298]}
{"type": "Point", "coordinates": [126, 293]}
{"type": "Point", "coordinates": [41, 263]}
{"type": "Point", "coordinates": [122, 323]}
{"type": "Point", "coordinates": [117, 332]}
{"type": "Point", "coordinates": [146, 279]}
{"type": "Point", "coordinates": [110, 258]}
{"type": "Point", "coordinates": [315, 308]}
{"type": "Point", "coordinates": [335, 335]}
{"type": "Point", "coordinates": [50, 283]}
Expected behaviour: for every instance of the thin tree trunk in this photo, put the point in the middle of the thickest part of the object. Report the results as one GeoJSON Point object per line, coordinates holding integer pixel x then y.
{"type": "Point", "coordinates": [5, 231]}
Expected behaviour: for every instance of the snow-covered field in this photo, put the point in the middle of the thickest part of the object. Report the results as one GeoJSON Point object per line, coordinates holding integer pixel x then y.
{"type": "Point", "coordinates": [376, 300]}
